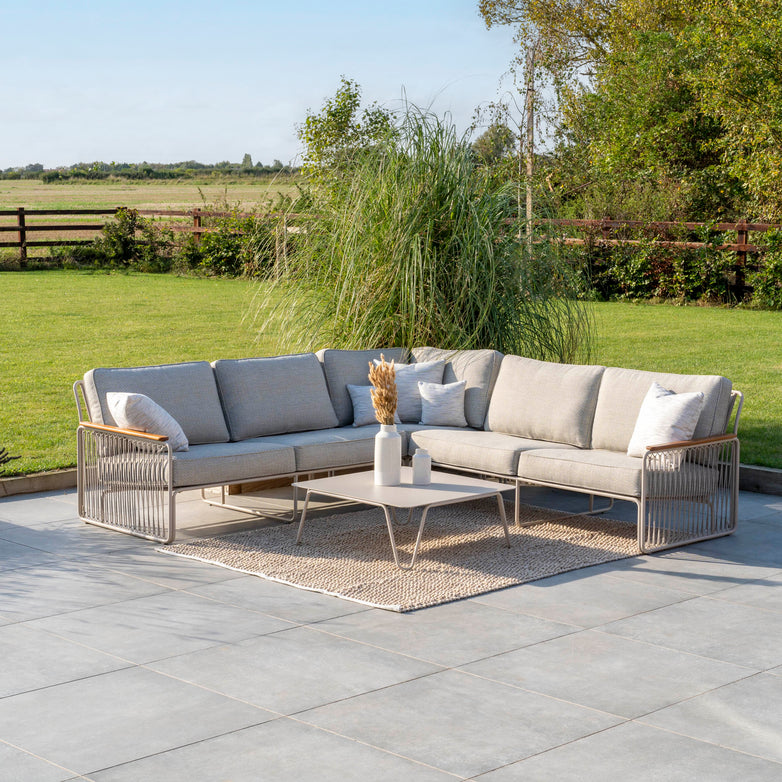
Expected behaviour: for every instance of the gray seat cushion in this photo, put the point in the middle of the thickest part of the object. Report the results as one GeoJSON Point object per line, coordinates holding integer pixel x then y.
{"type": "Point", "coordinates": [622, 391]}
{"type": "Point", "coordinates": [343, 367]}
{"type": "Point", "coordinates": [186, 391]}
{"type": "Point", "coordinates": [331, 448]}
{"type": "Point", "coordinates": [228, 462]}
{"type": "Point", "coordinates": [611, 473]}
{"type": "Point", "coordinates": [479, 368]}
{"type": "Point", "coordinates": [542, 400]}
{"type": "Point", "coordinates": [474, 449]}
{"type": "Point", "coordinates": [263, 396]}
{"type": "Point", "coordinates": [600, 471]}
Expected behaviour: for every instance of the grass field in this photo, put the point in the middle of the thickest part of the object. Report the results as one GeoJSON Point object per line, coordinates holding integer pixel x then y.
{"type": "Point", "coordinates": [56, 325]}
{"type": "Point", "coordinates": [743, 345]}
{"type": "Point", "coordinates": [245, 194]}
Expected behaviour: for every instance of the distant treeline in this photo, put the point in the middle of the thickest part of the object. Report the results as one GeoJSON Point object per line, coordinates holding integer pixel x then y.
{"type": "Point", "coordinates": [187, 169]}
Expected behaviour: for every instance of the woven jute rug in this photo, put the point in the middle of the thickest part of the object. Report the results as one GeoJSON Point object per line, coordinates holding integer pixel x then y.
{"type": "Point", "coordinates": [462, 553]}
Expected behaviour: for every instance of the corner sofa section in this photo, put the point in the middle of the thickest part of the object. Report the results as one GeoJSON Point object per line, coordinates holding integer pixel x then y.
{"type": "Point", "coordinates": [529, 422]}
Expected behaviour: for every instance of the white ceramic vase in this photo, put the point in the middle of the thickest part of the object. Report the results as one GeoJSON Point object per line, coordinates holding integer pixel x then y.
{"type": "Point", "coordinates": [388, 456]}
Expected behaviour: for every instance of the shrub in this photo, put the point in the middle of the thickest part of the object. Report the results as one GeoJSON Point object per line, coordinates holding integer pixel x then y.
{"type": "Point", "coordinates": [766, 282]}
{"type": "Point", "coordinates": [233, 246]}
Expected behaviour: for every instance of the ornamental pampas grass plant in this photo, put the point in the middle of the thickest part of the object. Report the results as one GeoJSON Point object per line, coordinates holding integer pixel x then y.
{"type": "Point", "coordinates": [383, 378]}
{"type": "Point", "coordinates": [412, 246]}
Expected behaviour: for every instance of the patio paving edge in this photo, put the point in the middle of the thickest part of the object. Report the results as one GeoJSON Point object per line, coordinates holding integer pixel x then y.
{"type": "Point", "coordinates": [763, 480]}
{"type": "Point", "coordinates": [38, 482]}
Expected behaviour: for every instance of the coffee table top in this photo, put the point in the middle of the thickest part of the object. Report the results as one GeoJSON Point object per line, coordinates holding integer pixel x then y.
{"type": "Point", "coordinates": [444, 489]}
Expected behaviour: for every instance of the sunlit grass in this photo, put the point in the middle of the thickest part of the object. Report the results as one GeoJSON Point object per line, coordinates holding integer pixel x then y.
{"type": "Point", "coordinates": [743, 345]}
{"type": "Point", "coordinates": [57, 325]}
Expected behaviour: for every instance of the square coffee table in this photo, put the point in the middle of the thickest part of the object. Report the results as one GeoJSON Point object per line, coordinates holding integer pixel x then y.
{"type": "Point", "coordinates": [445, 489]}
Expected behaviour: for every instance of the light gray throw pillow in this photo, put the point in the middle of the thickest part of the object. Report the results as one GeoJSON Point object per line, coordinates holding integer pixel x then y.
{"type": "Point", "coordinates": [442, 404]}
{"type": "Point", "coordinates": [665, 417]}
{"type": "Point", "coordinates": [363, 409]}
{"type": "Point", "coordinates": [408, 403]}
{"type": "Point", "coordinates": [142, 414]}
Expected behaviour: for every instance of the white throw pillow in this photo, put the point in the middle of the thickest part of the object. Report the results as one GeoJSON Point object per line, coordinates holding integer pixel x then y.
{"type": "Point", "coordinates": [442, 405]}
{"type": "Point", "coordinates": [142, 414]}
{"type": "Point", "coordinates": [408, 403]}
{"type": "Point", "coordinates": [665, 417]}
{"type": "Point", "coordinates": [363, 409]}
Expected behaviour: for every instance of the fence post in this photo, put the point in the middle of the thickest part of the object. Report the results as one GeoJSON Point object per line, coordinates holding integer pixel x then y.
{"type": "Point", "coordinates": [605, 230]}
{"type": "Point", "coordinates": [742, 239]}
{"type": "Point", "coordinates": [197, 224]}
{"type": "Point", "coordinates": [281, 248]}
{"type": "Point", "coordinates": [20, 222]}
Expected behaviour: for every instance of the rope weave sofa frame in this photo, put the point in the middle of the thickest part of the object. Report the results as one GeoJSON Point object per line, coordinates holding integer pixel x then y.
{"type": "Point", "coordinates": [689, 490]}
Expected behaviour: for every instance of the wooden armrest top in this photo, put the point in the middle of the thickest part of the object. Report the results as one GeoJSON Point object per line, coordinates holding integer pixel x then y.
{"type": "Point", "coordinates": [116, 430]}
{"type": "Point", "coordinates": [717, 438]}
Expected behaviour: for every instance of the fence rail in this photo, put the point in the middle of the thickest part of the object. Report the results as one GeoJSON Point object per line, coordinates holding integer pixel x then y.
{"type": "Point", "coordinates": [22, 227]}
{"type": "Point", "coordinates": [602, 233]}
{"type": "Point", "coordinates": [606, 228]}
{"type": "Point", "coordinates": [599, 232]}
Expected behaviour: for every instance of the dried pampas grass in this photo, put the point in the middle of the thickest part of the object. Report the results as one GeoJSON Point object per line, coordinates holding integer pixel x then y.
{"type": "Point", "coordinates": [383, 378]}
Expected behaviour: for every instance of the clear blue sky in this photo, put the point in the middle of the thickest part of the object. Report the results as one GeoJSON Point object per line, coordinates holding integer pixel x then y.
{"type": "Point", "coordinates": [167, 81]}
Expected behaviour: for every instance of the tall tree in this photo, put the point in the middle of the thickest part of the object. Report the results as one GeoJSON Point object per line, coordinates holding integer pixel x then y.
{"type": "Point", "coordinates": [333, 137]}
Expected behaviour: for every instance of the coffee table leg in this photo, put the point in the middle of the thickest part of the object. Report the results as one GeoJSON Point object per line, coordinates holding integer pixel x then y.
{"type": "Point", "coordinates": [504, 520]}
{"type": "Point", "coordinates": [393, 539]}
{"type": "Point", "coordinates": [303, 517]}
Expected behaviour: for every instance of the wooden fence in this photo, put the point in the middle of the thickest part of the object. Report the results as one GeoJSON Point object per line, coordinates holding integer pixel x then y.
{"type": "Point", "coordinates": [24, 231]}
{"type": "Point", "coordinates": [595, 232]}
{"type": "Point", "coordinates": [603, 233]}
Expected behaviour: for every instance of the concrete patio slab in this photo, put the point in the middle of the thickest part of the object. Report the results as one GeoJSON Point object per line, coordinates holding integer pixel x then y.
{"type": "Point", "coordinates": [459, 722]}
{"type": "Point", "coordinates": [642, 754]}
{"type": "Point", "coordinates": [280, 751]}
{"type": "Point", "coordinates": [65, 585]}
{"type": "Point", "coordinates": [160, 626]}
{"type": "Point", "coordinates": [279, 600]}
{"type": "Point", "coordinates": [33, 659]}
{"type": "Point", "coordinates": [739, 634]}
{"type": "Point", "coordinates": [625, 677]}
{"type": "Point", "coordinates": [121, 663]}
{"type": "Point", "coordinates": [105, 720]}
{"type": "Point", "coordinates": [16, 764]}
{"type": "Point", "coordinates": [584, 598]}
{"type": "Point", "coordinates": [294, 670]}
{"type": "Point", "coordinates": [745, 716]}
{"type": "Point", "coordinates": [440, 637]}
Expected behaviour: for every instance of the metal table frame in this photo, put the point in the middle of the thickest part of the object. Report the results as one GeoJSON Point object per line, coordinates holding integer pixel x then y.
{"type": "Point", "coordinates": [359, 487]}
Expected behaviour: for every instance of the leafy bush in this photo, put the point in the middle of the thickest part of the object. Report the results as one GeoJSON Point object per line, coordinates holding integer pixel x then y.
{"type": "Point", "coordinates": [234, 246]}
{"type": "Point", "coordinates": [766, 282]}
{"type": "Point", "coordinates": [129, 242]}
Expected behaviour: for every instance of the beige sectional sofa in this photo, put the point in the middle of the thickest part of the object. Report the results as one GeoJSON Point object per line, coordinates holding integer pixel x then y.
{"type": "Point", "coordinates": [529, 422]}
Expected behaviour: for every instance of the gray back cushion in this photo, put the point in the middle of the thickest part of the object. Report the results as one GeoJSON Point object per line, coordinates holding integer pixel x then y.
{"type": "Point", "coordinates": [274, 395]}
{"type": "Point", "coordinates": [544, 401]}
{"type": "Point", "coordinates": [623, 390]}
{"type": "Point", "coordinates": [187, 392]}
{"type": "Point", "coordinates": [479, 368]}
{"type": "Point", "coordinates": [343, 367]}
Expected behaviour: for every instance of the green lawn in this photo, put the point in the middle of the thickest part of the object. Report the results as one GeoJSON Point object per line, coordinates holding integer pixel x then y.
{"type": "Point", "coordinates": [743, 345]}
{"type": "Point", "coordinates": [58, 324]}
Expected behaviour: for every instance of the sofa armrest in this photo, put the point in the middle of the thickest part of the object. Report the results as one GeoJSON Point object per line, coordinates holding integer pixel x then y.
{"type": "Point", "coordinates": [717, 438]}
{"type": "Point", "coordinates": [161, 438]}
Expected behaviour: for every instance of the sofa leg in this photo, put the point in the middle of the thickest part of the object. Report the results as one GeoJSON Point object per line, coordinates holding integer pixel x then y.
{"type": "Point", "coordinates": [592, 511]}
{"type": "Point", "coordinates": [260, 511]}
